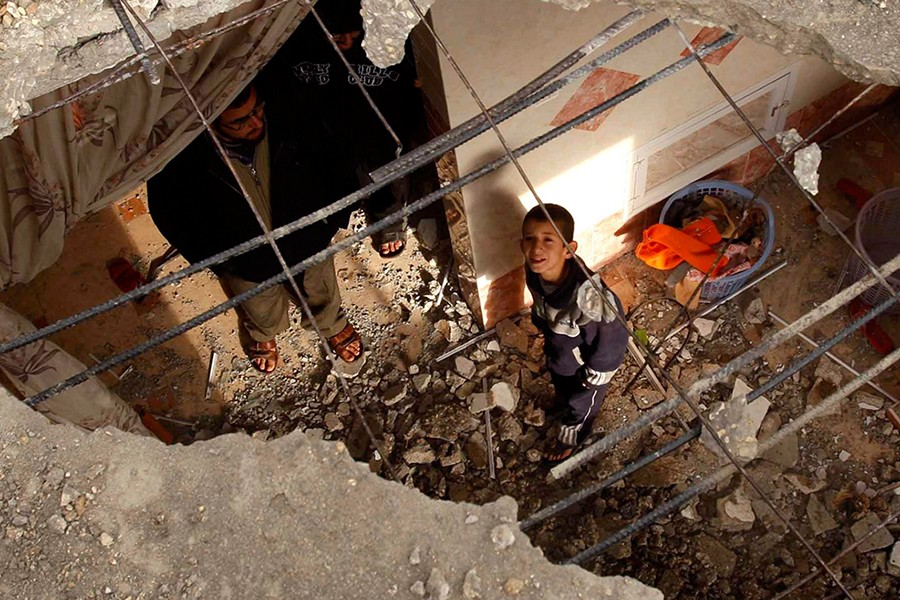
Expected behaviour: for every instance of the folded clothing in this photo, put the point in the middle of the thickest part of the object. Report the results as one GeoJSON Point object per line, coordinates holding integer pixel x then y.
{"type": "Point", "coordinates": [664, 247]}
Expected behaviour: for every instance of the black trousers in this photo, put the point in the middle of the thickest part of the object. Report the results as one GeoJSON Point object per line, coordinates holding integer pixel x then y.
{"type": "Point", "coordinates": [579, 405]}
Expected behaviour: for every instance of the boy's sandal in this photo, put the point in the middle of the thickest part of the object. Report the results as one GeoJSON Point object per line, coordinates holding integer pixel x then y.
{"type": "Point", "coordinates": [559, 453]}
{"type": "Point", "coordinates": [341, 342]}
{"type": "Point", "coordinates": [387, 237]}
{"type": "Point", "coordinates": [261, 353]}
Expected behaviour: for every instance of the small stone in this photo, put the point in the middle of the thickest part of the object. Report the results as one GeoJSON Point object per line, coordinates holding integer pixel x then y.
{"type": "Point", "coordinates": [420, 382]}
{"type": "Point", "coordinates": [471, 585]}
{"type": "Point", "coordinates": [57, 523]}
{"type": "Point", "coordinates": [465, 367]}
{"type": "Point", "coordinates": [867, 401]}
{"type": "Point", "coordinates": [54, 477]}
{"type": "Point", "coordinates": [333, 422]}
{"type": "Point", "coordinates": [881, 539]}
{"type": "Point", "coordinates": [455, 333]}
{"type": "Point", "coordinates": [415, 556]}
{"type": "Point", "coordinates": [106, 540]}
{"type": "Point", "coordinates": [819, 518]}
{"type": "Point", "coordinates": [511, 336]}
{"type": "Point", "coordinates": [504, 396]}
{"type": "Point", "coordinates": [418, 588]}
{"type": "Point", "coordinates": [413, 369]}
{"type": "Point", "coordinates": [19, 521]}
{"type": "Point", "coordinates": [479, 402]}
{"type": "Point", "coordinates": [493, 346]}
{"type": "Point", "coordinates": [646, 397]}
{"type": "Point", "coordinates": [419, 454]}
{"type": "Point", "coordinates": [844, 456]}
{"type": "Point", "coordinates": [451, 456]}
{"type": "Point", "coordinates": [465, 390]}
{"type": "Point", "coordinates": [513, 587]}
{"type": "Point", "coordinates": [437, 587]}
{"type": "Point", "coordinates": [394, 394]}
{"type": "Point", "coordinates": [786, 453]}
{"type": "Point", "coordinates": [829, 371]}
{"type": "Point", "coordinates": [476, 450]}
{"type": "Point", "coordinates": [736, 512]}
{"type": "Point", "coordinates": [68, 495]}
{"type": "Point", "coordinates": [756, 312]}
{"type": "Point", "coordinates": [894, 560]}
{"type": "Point", "coordinates": [534, 416]}
{"type": "Point", "coordinates": [470, 519]}
{"type": "Point", "coordinates": [503, 537]}
{"type": "Point", "coordinates": [705, 327]}
{"type": "Point", "coordinates": [804, 484]}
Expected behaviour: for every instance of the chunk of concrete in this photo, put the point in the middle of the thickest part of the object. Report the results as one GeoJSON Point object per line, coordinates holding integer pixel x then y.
{"type": "Point", "coordinates": [881, 539]}
{"type": "Point", "coordinates": [504, 396]}
{"type": "Point", "coordinates": [819, 518]}
{"type": "Point", "coordinates": [737, 423]}
{"type": "Point", "coordinates": [465, 367]}
{"type": "Point", "coordinates": [511, 336]}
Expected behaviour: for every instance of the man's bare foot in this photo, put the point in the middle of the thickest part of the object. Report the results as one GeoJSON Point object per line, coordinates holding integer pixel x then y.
{"type": "Point", "coordinates": [264, 356]}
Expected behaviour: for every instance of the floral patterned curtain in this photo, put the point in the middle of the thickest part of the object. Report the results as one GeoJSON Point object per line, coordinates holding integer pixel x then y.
{"type": "Point", "coordinates": [73, 161]}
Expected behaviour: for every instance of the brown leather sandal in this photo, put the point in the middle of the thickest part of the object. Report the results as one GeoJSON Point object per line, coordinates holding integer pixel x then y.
{"type": "Point", "coordinates": [261, 352]}
{"type": "Point", "coordinates": [341, 342]}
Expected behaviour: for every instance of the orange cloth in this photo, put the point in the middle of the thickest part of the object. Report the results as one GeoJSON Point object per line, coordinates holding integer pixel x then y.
{"type": "Point", "coordinates": [665, 247]}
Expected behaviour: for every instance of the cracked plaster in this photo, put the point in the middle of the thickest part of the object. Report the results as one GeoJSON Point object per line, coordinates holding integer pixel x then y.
{"type": "Point", "coordinates": [66, 40]}
{"type": "Point", "coordinates": [859, 37]}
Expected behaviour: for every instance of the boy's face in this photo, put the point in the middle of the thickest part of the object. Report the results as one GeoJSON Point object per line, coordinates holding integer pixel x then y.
{"type": "Point", "coordinates": [544, 252]}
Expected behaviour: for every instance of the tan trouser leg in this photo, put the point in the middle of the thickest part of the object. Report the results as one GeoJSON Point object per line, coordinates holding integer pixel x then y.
{"type": "Point", "coordinates": [266, 314]}
{"type": "Point", "coordinates": [324, 297]}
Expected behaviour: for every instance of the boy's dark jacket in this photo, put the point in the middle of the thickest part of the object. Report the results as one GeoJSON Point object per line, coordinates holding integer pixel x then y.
{"type": "Point", "coordinates": [581, 337]}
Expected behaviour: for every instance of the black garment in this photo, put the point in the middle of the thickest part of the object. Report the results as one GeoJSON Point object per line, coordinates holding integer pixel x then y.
{"type": "Point", "coordinates": [317, 74]}
{"type": "Point", "coordinates": [582, 352]}
{"type": "Point", "coordinates": [197, 205]}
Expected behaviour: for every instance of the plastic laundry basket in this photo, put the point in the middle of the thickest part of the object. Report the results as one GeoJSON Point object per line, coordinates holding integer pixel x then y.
{"type": "Point", "coordinates": [878, 238]}
{"type": "Point", "coordinates": [731, 195]}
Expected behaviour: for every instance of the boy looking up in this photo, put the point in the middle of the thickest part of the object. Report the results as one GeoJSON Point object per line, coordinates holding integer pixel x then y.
{"type": "Point", "coordinates": [583, 342]}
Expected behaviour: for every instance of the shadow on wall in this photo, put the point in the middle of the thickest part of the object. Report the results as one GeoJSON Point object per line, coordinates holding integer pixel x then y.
{"type": "Point", "coordinates": [506, 293]}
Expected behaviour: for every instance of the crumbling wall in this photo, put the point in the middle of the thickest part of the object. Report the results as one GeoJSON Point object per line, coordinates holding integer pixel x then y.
{"type": "Point", "coordinates": [55, 42]}
{"type": "Point", "coordinates": [111, 515]}
{"type": "Point", "coordinates": [860, 37]}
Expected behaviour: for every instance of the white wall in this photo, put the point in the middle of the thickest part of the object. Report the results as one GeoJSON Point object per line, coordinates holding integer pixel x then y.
{"type": "Point", "coordinates": [502, 44]}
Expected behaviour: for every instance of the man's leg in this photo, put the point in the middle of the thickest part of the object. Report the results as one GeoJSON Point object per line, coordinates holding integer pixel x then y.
{"type": "Point", "coordinates": [324, 298]}
{"type": "Point", "coordinates": [382, 203]}
{"type": "Point", "coordinates": [263, 317]}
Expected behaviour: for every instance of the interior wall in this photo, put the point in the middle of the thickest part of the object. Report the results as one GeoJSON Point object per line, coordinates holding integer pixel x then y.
{"type": "Point", "coordinates": [503, 44]}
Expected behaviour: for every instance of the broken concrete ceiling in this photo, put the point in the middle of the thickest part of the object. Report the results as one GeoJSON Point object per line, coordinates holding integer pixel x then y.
{"type": "Point", "coordinates": [236, 517]}
{"type": "Point", "coordinates": [61, 41]}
